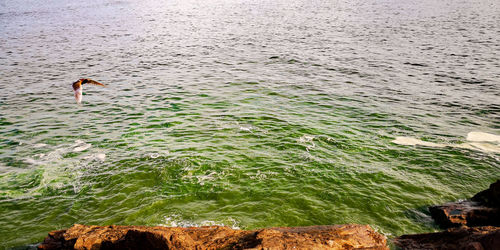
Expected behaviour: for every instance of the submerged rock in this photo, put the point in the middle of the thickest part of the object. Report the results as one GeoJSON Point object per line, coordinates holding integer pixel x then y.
{"type": "Point", "coordinates": [479, 238]}
{"type": "Point", "coordinates": [481, 210]}
{"type": "Point", "coordinates": [214, 237]}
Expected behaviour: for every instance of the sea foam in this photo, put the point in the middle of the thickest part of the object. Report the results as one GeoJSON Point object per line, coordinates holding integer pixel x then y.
{"type": "Point", "coordinates": [479, 141]}
{"type": "Point", "coordinates": [482, 137]}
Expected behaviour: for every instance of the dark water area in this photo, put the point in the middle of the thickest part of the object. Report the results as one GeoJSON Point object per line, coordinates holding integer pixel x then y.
{"type": "Point", "coordinates": [245, 113]}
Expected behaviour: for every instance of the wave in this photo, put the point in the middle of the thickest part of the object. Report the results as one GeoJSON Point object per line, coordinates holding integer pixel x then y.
{"type": "Point", "coordinates": [49, 172]}
{"type": "Point", "coordinates": [175, 220]}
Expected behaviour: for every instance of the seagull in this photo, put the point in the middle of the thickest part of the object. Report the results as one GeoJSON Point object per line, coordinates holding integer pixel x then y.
{"type": "Point", "coordinates": [77, 87]}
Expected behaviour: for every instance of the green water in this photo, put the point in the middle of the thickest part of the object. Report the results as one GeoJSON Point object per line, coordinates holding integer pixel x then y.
{"type": "Point", "coordinates": [237, 127]}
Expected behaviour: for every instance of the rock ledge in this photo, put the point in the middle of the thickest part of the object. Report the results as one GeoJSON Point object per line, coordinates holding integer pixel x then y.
{"type": "Point", "coordinates": [348, 236]}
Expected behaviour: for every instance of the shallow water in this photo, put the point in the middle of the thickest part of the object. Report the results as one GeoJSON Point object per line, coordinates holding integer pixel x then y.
{"type": "Point", "coordinates": [244, 113]}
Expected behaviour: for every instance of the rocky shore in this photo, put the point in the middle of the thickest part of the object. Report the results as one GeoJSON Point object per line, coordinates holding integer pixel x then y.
{"type": "Point", "coordinates": [215, 237]}
{"type": "Point", "coordinates": [469, 224]}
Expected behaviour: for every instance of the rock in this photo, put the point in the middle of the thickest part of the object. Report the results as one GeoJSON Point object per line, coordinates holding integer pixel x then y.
{"type": "Point", "coordinates": [468, 213]}
{"type": "Point", "coordinates": [214, 237]}
{"type": "Point", "coordinates": [489, 197]}
{"type": "Point", "coordinates": [487, 237]}
{"type": "Point", "coordinates": [482, 210]}
{"type": "Point", "coordinates": [321, 237]}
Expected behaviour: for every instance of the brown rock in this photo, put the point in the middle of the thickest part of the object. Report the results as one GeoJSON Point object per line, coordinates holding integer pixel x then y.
{"type": "Point", "coordinates": [479, 238]}
{"type": "Point", "coordinates": [468, 213]}
{"type": "Point", "coordinates": [321, 237]}
{"type": "Point", "coordinates": [482, 210]}
{"type": "Point", "coordinates": [214, 237]}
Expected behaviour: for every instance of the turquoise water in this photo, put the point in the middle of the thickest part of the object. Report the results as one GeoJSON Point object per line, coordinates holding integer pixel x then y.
{"type": "Point", "coordinates": [244, 113]}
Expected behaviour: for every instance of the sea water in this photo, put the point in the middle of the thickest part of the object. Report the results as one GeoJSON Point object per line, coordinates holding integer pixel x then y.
{"type": "Point", "coordinates": [245, 113]}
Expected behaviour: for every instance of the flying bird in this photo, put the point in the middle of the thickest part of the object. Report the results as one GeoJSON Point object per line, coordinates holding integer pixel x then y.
{"type": "Point", "coordinates": [77, 87]}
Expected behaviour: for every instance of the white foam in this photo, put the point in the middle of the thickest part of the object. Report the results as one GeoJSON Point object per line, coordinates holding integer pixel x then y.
{"type": "Point", "coordinates": [54, 155]}
{"type": "Point", "coordinates": [39, 145]}
{"type": "Point", "coordinates": [154, 155]}
{"type": "Point", "coordinates": [208, 177]}
{"type": "Point", "coordinates": [486, 147]}
{"type": "Point", "coordinates": [306, 139]}
{"type": "Point", "coordinates": [479, 141]}
{"type": "Point", "coordinates": [82, 148]}
{"type": "Point", "coordinates": [100, 156]}
{"type": "Point", "coordinates": [57, 171]}
{"type": "Point", "coordinates": [175, 221]}
{"type": "Point", "coordinates": [409, 141]}
{"type": "Point", "coordinates": [466, 146]}
{"type": "Point", "coordinates": [482, 137]}
{"type": "Point", "coordinates": [248, 129]}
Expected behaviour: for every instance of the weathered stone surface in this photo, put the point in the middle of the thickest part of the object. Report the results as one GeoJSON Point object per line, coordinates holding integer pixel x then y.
{"type": "Point", "coordinates": [321, 237]}
{"type": "Point", "coordinates": [214, 237]}
{"type": "Point", "coordinates": [482, 210]}
{"type": "Point", "coordinates": [478, 238]}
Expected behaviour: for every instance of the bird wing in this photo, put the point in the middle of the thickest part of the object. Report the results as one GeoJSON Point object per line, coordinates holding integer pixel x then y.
{"type": "Point", "coordinates": [90, 81]}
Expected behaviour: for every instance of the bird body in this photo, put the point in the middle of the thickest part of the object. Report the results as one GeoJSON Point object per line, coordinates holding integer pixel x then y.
{"type": "Point", "coordinates": [78, 94]}
{"type": "Point", "coordinates": [77, 87]}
